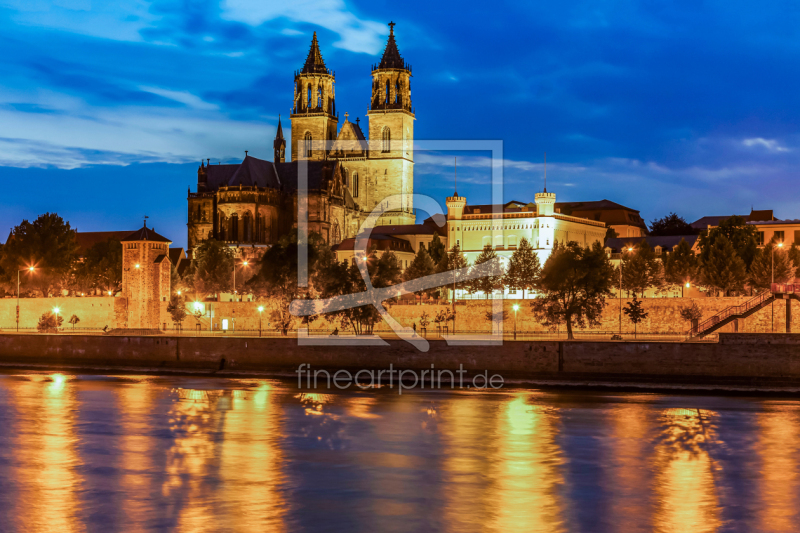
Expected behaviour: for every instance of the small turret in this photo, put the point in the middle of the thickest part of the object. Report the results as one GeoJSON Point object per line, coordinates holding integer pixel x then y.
{"type": "Point", "coordinates": [279, 145]}
{"type": "Point", "coordinates": [202, 178]}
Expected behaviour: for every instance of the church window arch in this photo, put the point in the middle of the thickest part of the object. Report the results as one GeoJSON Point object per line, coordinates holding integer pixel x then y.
{"type": "Point", "coordinates": [386, 140]}
{"type": "Point", "coordinates": [309, 95]}
{"type": "Point", "coordinates": [248, 227]}
{"type": "Point", "coordinates": [397, 93]}
{"type": "Point", "coordinates": [387, 92]}
{"type": "Point", "coordinates": [319, 97]}
{"type": "Point", "coordinates": [307, 146]}
{"type": "Point", "coordinates": [355, 185]}
{"type": "Point", "coordinates": [234, 232]}
{"type": "Point", "coordinates": [337, 237]}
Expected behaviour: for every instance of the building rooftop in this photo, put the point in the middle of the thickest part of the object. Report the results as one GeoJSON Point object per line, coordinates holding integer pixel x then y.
{"type": "Point", "coordinates": [87, 239]}
{"type": "Point", "coordinates": [145, 234]}
{"type": "Point", "coordinates": [667, 242]}
{"type": "Point", "coordinates": [762, 215]}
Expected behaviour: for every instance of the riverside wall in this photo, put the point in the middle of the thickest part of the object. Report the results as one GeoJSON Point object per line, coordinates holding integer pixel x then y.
{"type": "Point", "coordinates": [663, 315]}
{"type": "Point", "coordinates": [750, 357]}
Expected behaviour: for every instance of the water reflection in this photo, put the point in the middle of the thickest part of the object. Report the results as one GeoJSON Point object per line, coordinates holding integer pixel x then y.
{"type": "Point", "coordinates": [778, 446]}
{"type": "Point", "coordinates": [49, 484]}
{"type": "Point", "coordinates": [685, 483]}
{"type": "Point", "coordinates": [526, 471]}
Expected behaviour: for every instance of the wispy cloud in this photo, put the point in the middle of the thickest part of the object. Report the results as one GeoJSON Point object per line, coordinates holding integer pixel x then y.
{"type": "Point", "coordinates": [356, 34]}
{"type": "Point", "coordinates": [183, 97]}
{"type": "Point", "coordinates": [770, 144]}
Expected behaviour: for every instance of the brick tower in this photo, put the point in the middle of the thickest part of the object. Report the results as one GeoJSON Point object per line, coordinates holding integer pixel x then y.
{"type": "Point", "coordinates": [314, 111]}
{"type": "Point", "coordinates": [145, 277]}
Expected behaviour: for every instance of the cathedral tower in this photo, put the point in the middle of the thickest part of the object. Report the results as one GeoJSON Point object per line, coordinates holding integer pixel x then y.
{"type": "Point", "coordinates": [314, 110]}
{"type": "Point", "coordinates": [391, 130]}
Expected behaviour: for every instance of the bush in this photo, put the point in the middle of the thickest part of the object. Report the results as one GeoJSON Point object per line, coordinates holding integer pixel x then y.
{"type": "Point", "coordinates": [49, 323]}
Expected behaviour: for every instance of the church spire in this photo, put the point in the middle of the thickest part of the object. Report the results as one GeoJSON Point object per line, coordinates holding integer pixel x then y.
{"type": "Point", "coordinates": [314, 62]}
{"type": "Point", "coordinates": [391, 55]}
{"type": "Point", "coordinates": [279, 145]}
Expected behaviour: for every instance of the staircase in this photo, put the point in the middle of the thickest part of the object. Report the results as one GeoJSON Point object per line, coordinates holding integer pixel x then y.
{"type": "Point", "coordinates": [734, 312]}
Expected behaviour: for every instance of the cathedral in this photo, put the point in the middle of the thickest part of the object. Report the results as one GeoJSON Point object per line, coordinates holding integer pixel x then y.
{"type": "Point", "coordinates": [252, 204]}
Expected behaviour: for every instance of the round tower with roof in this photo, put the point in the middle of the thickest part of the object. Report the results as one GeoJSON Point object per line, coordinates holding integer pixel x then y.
{"type": "Point", "coordinates": [146, 270]}
{"type": "Point", "coordinates": [314, 109]}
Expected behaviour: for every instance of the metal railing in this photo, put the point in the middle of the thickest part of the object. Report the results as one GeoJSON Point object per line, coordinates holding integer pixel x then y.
{"type": "Point", "coordinates": [733, 310]}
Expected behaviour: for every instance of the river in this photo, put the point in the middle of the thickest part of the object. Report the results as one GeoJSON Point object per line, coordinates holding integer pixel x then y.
{"type": "Point", "coordinates": [144, 453]}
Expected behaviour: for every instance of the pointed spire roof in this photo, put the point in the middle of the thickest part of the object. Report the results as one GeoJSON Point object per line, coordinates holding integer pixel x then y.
{"type": "Point", "coordinates": [314, 62]}
{"type": "Point", "coordinates": [145, 234]}
{"type": "Point", "coordinates": [391, 55]}
{"type": "Point", "coordinates": [279, 134]}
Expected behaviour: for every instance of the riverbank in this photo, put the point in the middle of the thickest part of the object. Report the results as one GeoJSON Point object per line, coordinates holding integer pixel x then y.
{"type": "Point", "coordinates": [737, 360]}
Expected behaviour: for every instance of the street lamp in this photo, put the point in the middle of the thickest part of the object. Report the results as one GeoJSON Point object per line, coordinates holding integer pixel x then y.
{"type": "Point", "coordinates": [516, 308]}
{"type": "Point", "coordinates": [244, 264]}
{"type": "Point", "coordinates": [620, 285]}
{"type": "Point", "coordinates": [56, 310]}
{"type": "Point", "coordinates": [260, 309]}
{"type": "Point", "coordinates": [780, 245]}
{"type": "Point", "coordinates": [687, 285]}
{"type": "Point", "coordinates": [29, 269]}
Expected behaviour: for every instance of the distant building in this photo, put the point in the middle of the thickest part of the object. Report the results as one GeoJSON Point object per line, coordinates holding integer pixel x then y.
{"type": "Point", "coordinates": [145, 277]}
{"type": "Point", "coordinates": [713, 221]}
{"type": "Point", "coordinates": [626, 222]}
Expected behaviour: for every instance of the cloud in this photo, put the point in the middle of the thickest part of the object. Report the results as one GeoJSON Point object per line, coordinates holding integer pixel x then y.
{"type": "Point", "coordinates": [183, 97]}
{"type": "Point", "coordinates": [770, 144]}
{"type": "Point", "coordinates": [356, 35]}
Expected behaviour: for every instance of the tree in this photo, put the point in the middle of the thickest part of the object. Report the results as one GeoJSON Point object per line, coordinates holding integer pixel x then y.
{"type": "Point", "coordinates": [454, 261]}
{"type": "Point", "coordinates": [641, 269]}
{"type": "Point", "coordinates": [213, 267]}
{"type": "Point", "coordinates": [761, 269]}
{"type": "Point", "coordinates": [278, 274]}
{"type": "Point", "coordinates": [635, 313]}
{"type": "Point", "coordinates": [741, 236]}
{"type": "Point", "coordinates": [424, 321]}
{"type": "Point", "coordinates": [610, 234]}
{"type": "Point", "coordinates": [74, 320]}
{"type": "Point", "coordinates": [49, 322]}
{"type": "Point", "coordinates": [486, 284]}
{"type": "Point", "coordinates": [103, 263]}
{"type": "Point", "coordinates": [436, 249]}
{"type": "Point", "coordinates": [692, 314]}
{"type": "Point", "coordinates": [669, 225]}
{"type": "Point", "coordinates": [723, 269]}
{"type": "Point", "coordinates": [524, 268]}
{"type": "Point", "coordinates": [48, 243]}
{"type": "Point", "coordinates": [573, 286]}
{"type": "Point", "coordinates": [496, 319]}
{"type": "Point", "coordinates": [421, 266]}
{"type": "Point", "coordinates": [680, 266]}
{"type": "Point", "coordinates": [794, 257]}
{"type": "Point", "coordinates": [177, 308]}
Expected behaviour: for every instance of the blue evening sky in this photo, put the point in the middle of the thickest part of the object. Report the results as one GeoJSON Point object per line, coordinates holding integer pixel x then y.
{"type": "Point", "coordinates": [106, 108]}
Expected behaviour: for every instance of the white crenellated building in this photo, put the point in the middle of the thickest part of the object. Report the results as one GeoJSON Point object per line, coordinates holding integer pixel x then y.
{"type": "Point", "coordinates": [504, 226]}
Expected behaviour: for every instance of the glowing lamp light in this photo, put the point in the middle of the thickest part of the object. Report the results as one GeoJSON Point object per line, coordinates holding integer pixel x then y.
{"type": "Point", "coordinates": [260, 308]}
{"type": "Point", "coordinates": [56, 310]}
{"type": "Point", "coordinates": [109, 293]}
{"type": "Point", "coordinates": [198, 306]}
{"type": "Point", "coordinates": [136, 265]}
{"type": "Point", "coordinates": [516, 307]}
{"type": "Point", "coordinates": [244, 263]}
{"type": "Point", "coordinates": [688, 284]}
{"type": "Point", "coordinates": [780, 245]}
{"type": "Point", "coordinates": [179, 293]}
{"type": "Point", "coordinates": [31, 269]}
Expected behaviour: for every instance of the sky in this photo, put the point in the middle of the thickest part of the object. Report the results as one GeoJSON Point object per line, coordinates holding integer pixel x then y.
{"type": "Point", "coordinates": [107, 108]}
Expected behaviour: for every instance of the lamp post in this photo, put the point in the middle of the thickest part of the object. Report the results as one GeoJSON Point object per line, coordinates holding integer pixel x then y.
{"type": "Point", "coordinates": [244, 264]}
{"type": "Point", "coordinates": [56, 310]}
{"type": "Point", "coordinates": [260, 309]}
{"type": "Point", "coordinates": [620, 286]}
{"type": "Point", "coordinates": [780, 245]}
{"type": "Point", "coordinates": [687, 285]}
{"type": "Point", "coordinates": [29, 269]}
{"type": "Point", "coordinates": [516, 308]}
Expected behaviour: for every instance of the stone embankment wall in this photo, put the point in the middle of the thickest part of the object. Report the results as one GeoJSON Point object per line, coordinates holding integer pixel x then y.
{"type": "Point", "coordinates": [93, 311]}
{"type": "Point", "coordinates": [736, 356]}
{"type": "Point", "coordinates": [663, 315]}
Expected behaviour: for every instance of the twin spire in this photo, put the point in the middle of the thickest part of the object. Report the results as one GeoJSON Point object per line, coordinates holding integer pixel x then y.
{"type": "Point", "coordinates": [391, 55]}
{"type": "Point", "coordinates": [315, 64]}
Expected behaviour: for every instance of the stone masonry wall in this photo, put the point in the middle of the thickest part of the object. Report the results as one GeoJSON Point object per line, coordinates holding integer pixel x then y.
{"type": "Point", "coordinates": [94, 312]}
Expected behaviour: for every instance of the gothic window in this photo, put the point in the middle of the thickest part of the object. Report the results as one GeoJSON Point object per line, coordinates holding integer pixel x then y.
{"type": "Point", "coordinates": [396, 93]}
{"type": "Point", "coordinates": [307, 148]}
{"type": "Point", "coordinates": [309, 95]}
{"type": "Point", "coordinates": [355, 185]}
{"type": "Point", "coordinates": [386, 140]}
{"type": "Point", "coordinates": [387, 91]}
{"type": "Point", "coordinates": [248, 227]}
{"type": "Point", "coordinates": [319, 97]}
{"type": "Point", "coordinates": [336, 234]}
{"type": "Point", "coordinates": [234, 233]}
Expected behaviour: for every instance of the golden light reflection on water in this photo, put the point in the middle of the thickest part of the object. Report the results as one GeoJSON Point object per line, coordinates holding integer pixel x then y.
{"type": "Point", "coordinates": [135, 405]}
{"type": "Point", "coordinates": [777, 447]}
{"type": "Point", "coordinates": [46, 450]}
{"type": "Point", "coordinates": [684, 473]}
{"type": "Point", "coordinates": [526, 470]}
{"type": "Point", "coordinates": [234, 435]}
